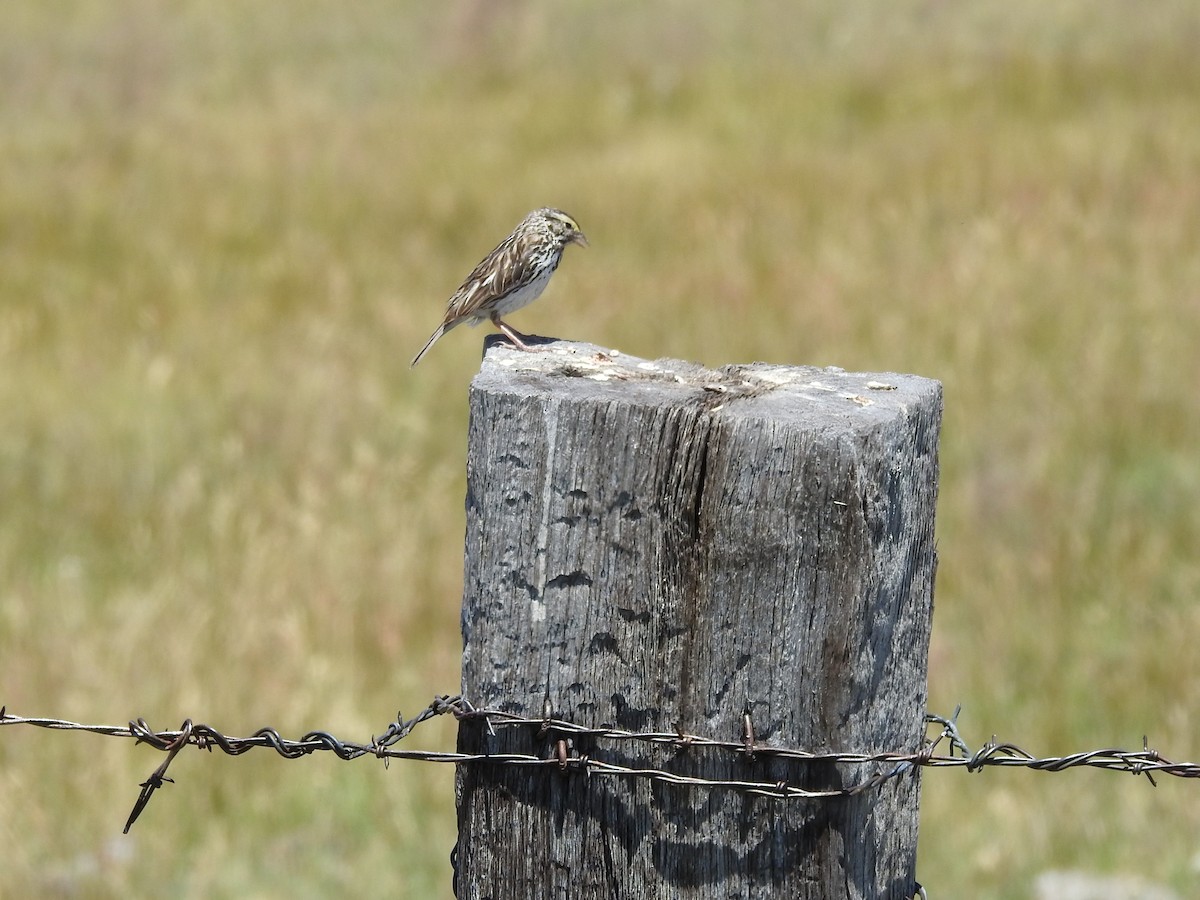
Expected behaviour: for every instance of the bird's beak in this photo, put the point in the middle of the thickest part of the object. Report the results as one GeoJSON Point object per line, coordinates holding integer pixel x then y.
{"type": "Point", "coordinates": [578, 237]}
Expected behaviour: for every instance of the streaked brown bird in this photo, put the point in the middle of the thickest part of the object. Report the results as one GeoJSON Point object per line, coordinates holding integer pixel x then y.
{"type": "Point", "coordinates": [511, 276]}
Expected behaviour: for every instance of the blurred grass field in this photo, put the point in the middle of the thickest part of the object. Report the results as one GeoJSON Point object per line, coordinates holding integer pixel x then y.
{"type": "Point", "coordinates": [226, 228]}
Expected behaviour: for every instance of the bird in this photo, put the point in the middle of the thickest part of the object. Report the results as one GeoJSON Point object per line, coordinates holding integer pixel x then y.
{"type": "Point", "coordinates": [511, 276]}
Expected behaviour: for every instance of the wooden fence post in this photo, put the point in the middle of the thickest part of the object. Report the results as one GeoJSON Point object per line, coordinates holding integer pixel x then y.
{"type": "Point", "coordinates": [658, 546]}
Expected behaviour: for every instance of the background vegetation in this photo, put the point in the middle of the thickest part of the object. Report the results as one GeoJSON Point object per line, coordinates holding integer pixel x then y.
{"type": "Point", "coordinates": [226, 228]}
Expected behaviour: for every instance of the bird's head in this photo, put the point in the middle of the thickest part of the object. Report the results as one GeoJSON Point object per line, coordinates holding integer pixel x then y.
{"type": "Point", "coordinates": [563, 226]}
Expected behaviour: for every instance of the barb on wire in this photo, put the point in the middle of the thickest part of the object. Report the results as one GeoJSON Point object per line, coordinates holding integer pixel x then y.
{"type": "Point", "coordinates": [155, 781]}
{"type": "Point", "coordinates": [562, 738]}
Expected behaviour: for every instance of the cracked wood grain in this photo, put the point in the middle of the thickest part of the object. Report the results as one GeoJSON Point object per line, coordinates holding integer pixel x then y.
{"type": "Point", "coordinates": [656, 545]}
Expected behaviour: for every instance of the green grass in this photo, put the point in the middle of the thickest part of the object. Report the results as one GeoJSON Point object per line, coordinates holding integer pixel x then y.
{"type": "Point", "coordinates": [226, 228]}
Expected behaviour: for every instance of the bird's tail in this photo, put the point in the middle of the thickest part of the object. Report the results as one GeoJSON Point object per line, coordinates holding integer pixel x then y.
{"type": "Point", "coordinates": [441, 329]}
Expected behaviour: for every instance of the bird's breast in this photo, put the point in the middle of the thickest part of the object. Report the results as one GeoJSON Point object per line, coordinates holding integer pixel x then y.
{"type": "Point", "coordinates": [524, 294]}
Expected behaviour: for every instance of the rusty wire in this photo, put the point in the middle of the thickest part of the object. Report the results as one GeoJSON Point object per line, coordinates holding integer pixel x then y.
{"type": "Point", "coordinates": [561, 738]}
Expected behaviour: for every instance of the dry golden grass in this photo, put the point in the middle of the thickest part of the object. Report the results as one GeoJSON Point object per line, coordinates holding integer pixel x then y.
{"type": "Point", "coordinates": [225, 229]}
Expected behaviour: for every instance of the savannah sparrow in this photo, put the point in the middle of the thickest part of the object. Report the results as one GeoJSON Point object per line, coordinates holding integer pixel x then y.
{"type": "Point", "coordinates": [512, 275]}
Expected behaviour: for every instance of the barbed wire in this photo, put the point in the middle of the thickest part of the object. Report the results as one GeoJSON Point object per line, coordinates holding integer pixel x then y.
{"type": "Point", "coordinates": [561, 738]}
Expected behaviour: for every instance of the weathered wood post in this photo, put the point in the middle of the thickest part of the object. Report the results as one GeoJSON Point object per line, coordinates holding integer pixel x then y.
{"type": "Point", "coordinates": [657, 546]}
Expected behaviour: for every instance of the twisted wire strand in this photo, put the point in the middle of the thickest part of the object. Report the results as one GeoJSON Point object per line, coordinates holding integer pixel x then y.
{"type": "Point", "coordinates": [561, 738]}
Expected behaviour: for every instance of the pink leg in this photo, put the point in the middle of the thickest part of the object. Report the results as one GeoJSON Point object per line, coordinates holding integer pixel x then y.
{"type": "Point", "coordinates": [511, 333]}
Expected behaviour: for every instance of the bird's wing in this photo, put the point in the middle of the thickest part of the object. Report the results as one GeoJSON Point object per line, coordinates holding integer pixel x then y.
{"type": "Point", "coordinates": [501, 272]}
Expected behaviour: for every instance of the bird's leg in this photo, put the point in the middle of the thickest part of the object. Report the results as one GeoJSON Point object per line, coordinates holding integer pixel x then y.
{"type": "Point", "coordinates": [511, 333]}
